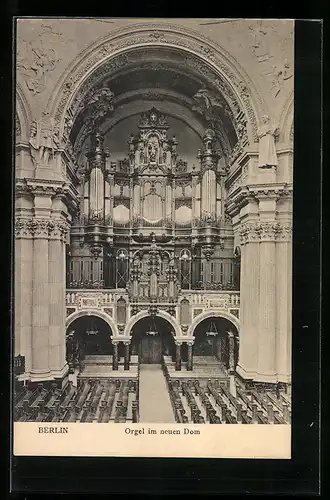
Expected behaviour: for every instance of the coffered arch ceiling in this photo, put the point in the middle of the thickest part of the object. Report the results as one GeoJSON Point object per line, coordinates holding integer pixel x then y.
{"type": "Point", "coordinates": [168, 78]}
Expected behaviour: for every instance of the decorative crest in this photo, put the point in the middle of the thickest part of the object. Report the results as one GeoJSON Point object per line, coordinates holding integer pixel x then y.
{"type": "Point", "coordinates": [153, 119]}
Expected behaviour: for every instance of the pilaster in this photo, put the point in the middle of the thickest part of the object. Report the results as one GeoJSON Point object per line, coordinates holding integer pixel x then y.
{"type": "Point", "coordinates": [40, 302]}
{"type": "Point", "coordinates": [283, 302]}
{"type": "Point", "coordinates": [57, 234]}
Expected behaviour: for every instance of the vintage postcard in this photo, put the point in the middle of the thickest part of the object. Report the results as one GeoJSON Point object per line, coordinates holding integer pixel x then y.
{"type": "Point", "coordinates": [153, 233]}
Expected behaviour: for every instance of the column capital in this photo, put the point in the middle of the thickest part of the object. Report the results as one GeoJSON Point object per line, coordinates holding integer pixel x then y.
{"type": "Point", "coordinates": [256, 231]}
{"type": "Point", "coordinates": [41, 227]}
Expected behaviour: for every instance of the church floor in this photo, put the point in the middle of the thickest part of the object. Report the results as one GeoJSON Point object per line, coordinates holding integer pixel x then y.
{"type": "Point", "coordinates": [155, 405]}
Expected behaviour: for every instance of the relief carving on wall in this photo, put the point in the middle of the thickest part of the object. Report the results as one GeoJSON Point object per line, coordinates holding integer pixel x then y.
{"type": "Point", "coordinates": [37, 58]}
{"type": "Point", "coordinates": [275, 70]}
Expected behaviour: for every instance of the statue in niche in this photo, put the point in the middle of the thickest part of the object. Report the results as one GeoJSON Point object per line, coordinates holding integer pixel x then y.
{"type": "Point", "coordinates": [47, 135]}
{"type": "Point", "coordinates": [141, 148]}
{"type": "Point", "coordinates": [165, 150]}
{"type": "Point", "coordinates": [43, 140]}
{"type": "Point", "coordinates": [153, 149]}
{"type": "Point", "coordinates": [34, 141]}
{"type": "Point", "coordinates": [267, 150]}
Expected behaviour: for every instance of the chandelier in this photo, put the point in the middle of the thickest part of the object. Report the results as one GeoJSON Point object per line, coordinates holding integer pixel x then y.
{"type": "Point", "coordinates": [92, 330]}
{"type": "Point", "coordinates": [212, 331]}
{"type": "Point", "coordinates": [152, 328]}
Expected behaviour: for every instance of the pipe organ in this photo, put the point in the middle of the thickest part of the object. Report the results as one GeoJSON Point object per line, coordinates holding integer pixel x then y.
{"type": "Point", "coordinates": [151, 222]}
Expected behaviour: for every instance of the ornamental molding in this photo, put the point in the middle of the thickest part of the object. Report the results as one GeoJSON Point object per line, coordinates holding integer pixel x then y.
{"type": "Point", "coordinates": [204, 56]}
{"type": "Point", "coordinates": [260, 231]}
{"type": "Point", "coordinates": [42, 187]}
{"type": "Point", "coordinates": [49, 188]}
{"type": "Point", "coordinates": [38, 227]}
{"type": "Point", "coordinates": [242, 194]}
{"type": "Point", "coordinates": [262, 191]}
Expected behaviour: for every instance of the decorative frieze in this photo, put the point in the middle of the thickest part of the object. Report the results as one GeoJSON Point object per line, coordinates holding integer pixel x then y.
{"type": "Point", "coordinates": [260, 231]}
{"type": "Point", "coordinates": [37, 227]}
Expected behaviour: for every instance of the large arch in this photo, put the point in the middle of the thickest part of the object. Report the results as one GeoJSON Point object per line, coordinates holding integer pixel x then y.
{"type": "Point", "coordinates": [213, 314]}
{"type": "Point", "coordinates": [200, 55]}
{"type": "Point", "coordinates": [23, 112]}
{"type": "Point", "coordinates": [146, 314]}
{"type": "Point", "coordinates": [286, 120]}
{"type": "Point", "coordinates": [94, 312]}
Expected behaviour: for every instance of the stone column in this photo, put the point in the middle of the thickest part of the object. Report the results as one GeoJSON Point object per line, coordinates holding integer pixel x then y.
{"type": "Point", "coordinates": [267, 304]}
{"type": "Point", "coordinates": [177, 356]}
{"type": "Point", "coordinates": [283, 301]}
{"type": "Point", "coordinates": [40, 369]}
{"type": "Point", "coordinates": [190, 355]}
{"type": "Point", "coordinates": [249, 303]}
{"type": "Point", "coordinates": [57, 314]}
{"type": "Point", "coordinates": [115, 355]}
{"type": "Point", "coordinates": [126, 355]}
{"type": "Point", "coordinates": [23, 290]}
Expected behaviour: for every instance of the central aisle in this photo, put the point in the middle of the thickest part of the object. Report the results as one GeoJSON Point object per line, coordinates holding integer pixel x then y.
{"type": "Point", "coordinates": [154, 400]}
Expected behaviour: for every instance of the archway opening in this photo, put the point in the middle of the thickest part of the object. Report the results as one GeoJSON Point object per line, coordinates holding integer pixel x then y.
{"type": "Point", "coordinates": [87, 336]}
{"type": "Point", "coordinates": [153, 338]}
{"type": "Point", "coordinates": [212, 340]}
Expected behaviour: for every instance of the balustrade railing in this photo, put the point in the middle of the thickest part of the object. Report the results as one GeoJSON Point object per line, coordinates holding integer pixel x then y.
{"type": "Point", "coordinates": [196, 297]}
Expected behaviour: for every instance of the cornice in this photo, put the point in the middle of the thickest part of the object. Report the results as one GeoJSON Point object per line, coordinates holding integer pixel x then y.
{"type": "Point", "coordinates": [49, 188]}
{"type": "Point", "coordinates": [242, 195]}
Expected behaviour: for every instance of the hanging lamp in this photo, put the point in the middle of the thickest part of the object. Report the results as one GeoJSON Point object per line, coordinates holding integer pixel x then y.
{"type": "Point", "coordinates": [92, 330]}
{"type": "Point", "coordinates": [212, 331]}
{"type": "Point", "coordinates": [152, 330]}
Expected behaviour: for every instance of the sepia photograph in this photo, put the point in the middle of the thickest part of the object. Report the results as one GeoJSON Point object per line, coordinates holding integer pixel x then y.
{"type": "Point", "coordinates": [153, 228]}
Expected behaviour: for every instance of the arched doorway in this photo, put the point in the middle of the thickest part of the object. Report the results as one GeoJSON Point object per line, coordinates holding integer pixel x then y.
{"type": "Point", "coordinates": [152, 338]}
{"type": "Point", "coordinates": [212, 338]}
{"type": "Point", "coordinates": [87, 336]}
